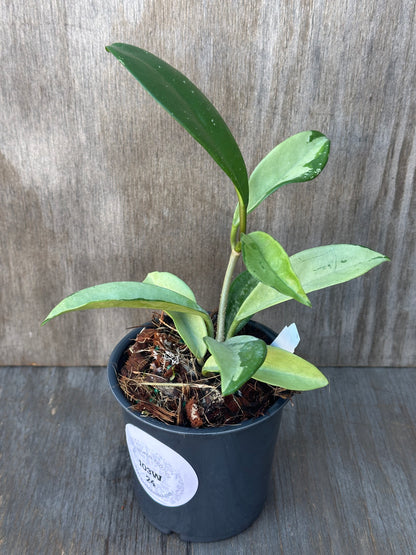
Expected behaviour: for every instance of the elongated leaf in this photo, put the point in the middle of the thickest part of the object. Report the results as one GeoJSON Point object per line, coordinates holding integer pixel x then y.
{"type": "Point", "coordinates": [299, 158]}
{"type": "Point", "coordinates": [328, 265]}
{"type": "Point", "coordinates": [240, 290]}
{"type": "Point", "coordinates": [317, 268]}
{"type": "Point", "coordinates": [129, 294]}
{"type": "Point", "coordinates": [237, 358]}
{"type": "Point", "coordinates": [268, 262]}
{"type": "Point", "coordinates": [190, 107]}
{"type": "Point", "coordinates": [191, 327]}
{"type": "Point", "coordinates": [171, 282]}
{"type": "Point", "coordinates": [282, 369]}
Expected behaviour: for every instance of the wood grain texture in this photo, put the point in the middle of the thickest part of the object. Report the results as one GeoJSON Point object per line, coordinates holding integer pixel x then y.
{"type": "Point", "coordinates": [344, 478]}
{"type": "Point", "coordinates": [99, 184]}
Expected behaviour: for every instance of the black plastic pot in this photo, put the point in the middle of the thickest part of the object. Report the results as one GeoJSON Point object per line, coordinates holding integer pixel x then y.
{"type": "Point", "coordinates": [204, 484]}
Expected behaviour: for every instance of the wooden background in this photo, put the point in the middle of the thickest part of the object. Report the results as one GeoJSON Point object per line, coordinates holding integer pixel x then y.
{"type": "Point", "coordinates": [99, 184]}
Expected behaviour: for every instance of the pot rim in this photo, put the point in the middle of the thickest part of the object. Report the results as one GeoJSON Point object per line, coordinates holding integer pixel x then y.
{"type": "Point", "coordinates": [173, 428]}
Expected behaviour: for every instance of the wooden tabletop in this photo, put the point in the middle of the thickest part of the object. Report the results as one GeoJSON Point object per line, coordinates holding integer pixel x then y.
{"type": "Point", "coordinates": [344, 477]}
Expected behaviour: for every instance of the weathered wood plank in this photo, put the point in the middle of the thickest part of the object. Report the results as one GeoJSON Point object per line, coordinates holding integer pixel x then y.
{"type": "Point", "coordinates": [98, 184]}
{"type": "Point", "coordinates": [344, 479]}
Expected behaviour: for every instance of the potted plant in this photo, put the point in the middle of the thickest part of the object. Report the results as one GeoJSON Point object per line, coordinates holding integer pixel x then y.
{"type": "Point", "coordinates": [209, 483]}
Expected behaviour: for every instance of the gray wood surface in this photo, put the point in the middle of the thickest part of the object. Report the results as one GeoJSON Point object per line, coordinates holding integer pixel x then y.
{"type": "Point", "coordinates": [98, 184]}
{"type": "Point", "coordinates": [344, 478]}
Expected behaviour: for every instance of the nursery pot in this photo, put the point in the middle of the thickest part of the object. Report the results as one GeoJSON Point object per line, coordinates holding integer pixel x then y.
{"type": "Point", "coordinates": [204, 484]}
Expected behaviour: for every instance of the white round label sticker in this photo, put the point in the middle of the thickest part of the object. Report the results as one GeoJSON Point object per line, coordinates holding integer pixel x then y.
{"type": "Point", "coordinates": [164, 474]}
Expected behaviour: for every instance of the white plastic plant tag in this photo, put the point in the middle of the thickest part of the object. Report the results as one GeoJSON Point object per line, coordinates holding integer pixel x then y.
{"type": "Point", "coordinates": [288, 339]}
{"type": "Point", "coordinates": [164, 474]}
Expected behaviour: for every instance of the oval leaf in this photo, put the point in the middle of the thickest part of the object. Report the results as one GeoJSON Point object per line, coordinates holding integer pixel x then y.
{"type": "Point", "coordinates": [328, 265]}
{"type": "Point", "coordinates": [191, 327]}
{"type": "Point", "coordinates": [129, 294]}
{"type": "Point", "coordinates": [299, 158]}
{"type": "Point", "coordinates": [282, 369]}
{"type": "Point", "coordinates": [317, 268]}
{"type": "Point", "coordinates": [237, 358]}
{"type": "Point", "coordinates": [170, 281]}
{"type": "Point", "coordinates": [241, 288]}
{"type": "Point", "coordinates": [190, 107]}
{"type": "Point", "coordinates": [268, 262]}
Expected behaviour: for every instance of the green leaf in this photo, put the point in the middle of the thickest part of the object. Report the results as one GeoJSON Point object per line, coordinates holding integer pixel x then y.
{"type": "Point", "coordinates": [328, 265]}
{"type": "Point", "coordinates": [282, 369]}
{"type": "Point", "coordinates": [237, 358]}
{"type": "Point", "coordinates": [299, 158]}
{"type": "Point", "coordinates": [129, 294]}
{"type": "Point", "coordinates": [190, 107]}
{"type": "Point", "coordinates": [191, 327]}
{"type": "Point", "coordinates": [268, 262]}
{"type": "Point", "coordinates": [240, 289]}
{"type": "Point", "coordinates": [317, 268]}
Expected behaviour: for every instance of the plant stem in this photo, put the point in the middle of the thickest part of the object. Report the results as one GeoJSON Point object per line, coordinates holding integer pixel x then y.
{"type": "Point", "coordinates": [232, 329]}
{"type": "Point", "coordinates": [243, 218]}
{"type": "Point", "coordinates": [234, 237]}
{"type": "Point", "coordinates": [224, 294]}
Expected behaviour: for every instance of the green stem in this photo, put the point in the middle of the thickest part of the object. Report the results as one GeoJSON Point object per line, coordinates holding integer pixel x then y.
{"type": "Point", "coordinates": [224, 295]}
{"type": "Point", "coordinates": [243, 218]}
{"type": "Point", "coordinates": [233, 237]}
{"type": "Point", "coordinates": [232, 329]}
{"type": "Point", "coordinates": [239, 228]}
{"type": "Point", "coordinates": [209, 324]}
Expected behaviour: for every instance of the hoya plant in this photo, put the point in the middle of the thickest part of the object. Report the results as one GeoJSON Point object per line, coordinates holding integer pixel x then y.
{"type": "Point", "coordinates": [271, 276]}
